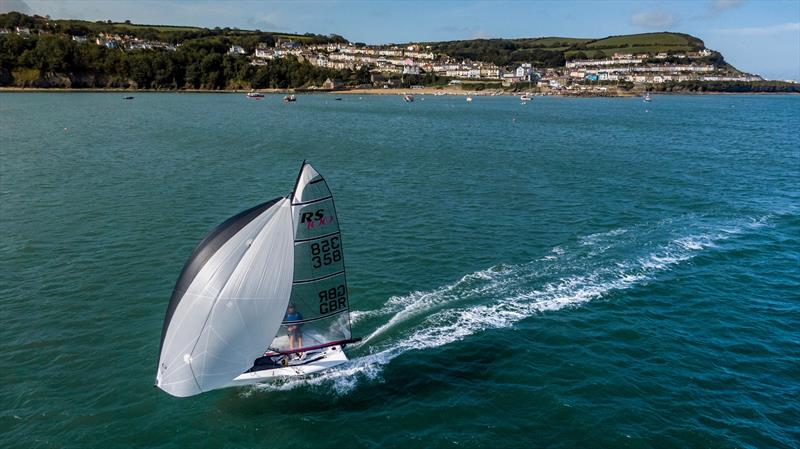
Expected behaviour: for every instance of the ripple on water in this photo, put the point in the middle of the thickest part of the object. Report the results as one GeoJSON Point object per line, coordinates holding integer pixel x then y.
{"type": "Point", "coordinates": [574, 273]}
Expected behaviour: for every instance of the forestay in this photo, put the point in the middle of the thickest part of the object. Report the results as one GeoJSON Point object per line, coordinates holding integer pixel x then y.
{"type": "Point", "coordinates": [319, 287]}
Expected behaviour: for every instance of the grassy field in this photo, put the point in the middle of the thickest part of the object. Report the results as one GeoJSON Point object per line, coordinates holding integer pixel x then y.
{"type": "Point", "coordinates": [655, 42]}
{"type": "Point", "coordinates": [544, 51]}
{"type": "Point", "coordinates": [608, 52]}
{"type": "Point", "coordinates": [553, 42]}
{"type": "Point", "coordinates": [163, 32]}
{"type": "Point", "coordinates": [294, 37]}
{"type": "Point", "coordinates": [159, 28]}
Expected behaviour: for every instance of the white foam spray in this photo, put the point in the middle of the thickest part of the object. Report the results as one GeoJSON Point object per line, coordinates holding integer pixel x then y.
{"type": "Point", "coordinates": [501, 296]}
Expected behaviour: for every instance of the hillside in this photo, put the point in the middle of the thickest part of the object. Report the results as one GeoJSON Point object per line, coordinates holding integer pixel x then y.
{"type": "Point", "coordinates": [162, 33]}
{"type": "Point", "coordinates": [43, 52]}
{"type": "Point", "coordinates": [555, 51]}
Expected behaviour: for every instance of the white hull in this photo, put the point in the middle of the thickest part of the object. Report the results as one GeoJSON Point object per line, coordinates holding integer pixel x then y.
{"type": "Point", "coordinates": [312, 362]}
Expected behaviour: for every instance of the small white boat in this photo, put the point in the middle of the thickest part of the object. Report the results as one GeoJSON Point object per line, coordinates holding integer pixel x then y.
{"type": "Point", "coordinates": [469, 98]}
{"type": "Point", "coordinates": [646, 97]}
{"type": "Point", "coordinates": [254, 94]}
{"type": "Point", "coordinates": [408, 98]}
{"type": "Point", "coordinates": [524, 98]}
{"type": "Point", "coordinates": [289, 98]}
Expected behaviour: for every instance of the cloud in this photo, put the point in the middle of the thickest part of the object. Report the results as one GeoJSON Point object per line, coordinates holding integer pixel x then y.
{"type": "Point", "coordinates": [481, 34]}
{"type": "Point", "coordinates": [657, 19]}
{"type": "Point", "coordinates": [716, 8]}
{"type": "Point", "coordinates": [263, 22]}
{"type": "Point", "coordinates": [761, 31]}
{"type": "Point", "coordinates": [14, 5]}
{"type": "Point", "coordinates": [463, 32]}
{"type": "Point", "coordinates": [719, 6]}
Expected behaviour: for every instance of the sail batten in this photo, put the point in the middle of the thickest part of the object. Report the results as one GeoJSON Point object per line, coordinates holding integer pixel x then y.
{"type": "Point", "coordinates": [303, 203]}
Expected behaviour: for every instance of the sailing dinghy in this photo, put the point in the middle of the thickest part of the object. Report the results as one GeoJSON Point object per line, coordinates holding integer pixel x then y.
{"type": "Point", "coordinates": [269, 278]}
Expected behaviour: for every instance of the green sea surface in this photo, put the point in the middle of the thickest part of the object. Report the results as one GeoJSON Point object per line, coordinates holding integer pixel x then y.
{"type": "Point", "coordinates": [569, 273]}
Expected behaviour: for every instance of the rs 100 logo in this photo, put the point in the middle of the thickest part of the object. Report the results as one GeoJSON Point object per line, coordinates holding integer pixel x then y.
{"type": "Point", "coordinates": [316, 218]}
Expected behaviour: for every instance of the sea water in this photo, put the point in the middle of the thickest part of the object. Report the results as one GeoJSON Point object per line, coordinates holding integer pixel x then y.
{"type": "Point", "coordinates": [564, 273]}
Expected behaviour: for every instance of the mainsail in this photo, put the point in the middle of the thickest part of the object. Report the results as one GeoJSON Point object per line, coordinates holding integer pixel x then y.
{"type": "Point", "coordinates": [319, 286]}
{"type": "Point", "coordinates": [231, 298]}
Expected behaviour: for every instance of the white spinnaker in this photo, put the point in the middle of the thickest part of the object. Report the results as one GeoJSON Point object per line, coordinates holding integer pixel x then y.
{"type": "Point", "coordinates": [233, 307]}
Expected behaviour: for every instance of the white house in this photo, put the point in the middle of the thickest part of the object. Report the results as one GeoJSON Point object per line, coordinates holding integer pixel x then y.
{"type": "Point", "coordinates": [410, 68]}
{"type": "Point", "coordinates": [236, 50]}
{"type": "Point", "coordinates": [491, 72]}
{"type": "Point", "coordinates": [524, 72]}
{"type": "Point", "coordinates": [320, 60]}
{"type": "Point", "coordinates": [263, 52]}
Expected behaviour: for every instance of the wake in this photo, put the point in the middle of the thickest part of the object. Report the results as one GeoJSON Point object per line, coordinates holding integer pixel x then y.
{"type": "Point", "coordinates": [500, 296]}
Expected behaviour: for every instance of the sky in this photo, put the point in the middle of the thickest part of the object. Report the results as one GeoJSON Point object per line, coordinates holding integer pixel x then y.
{"type": "Point", "coordinates": [756, 36]}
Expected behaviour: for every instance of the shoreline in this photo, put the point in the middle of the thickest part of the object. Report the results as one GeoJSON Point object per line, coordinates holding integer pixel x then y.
{"type": "Point", "coordinates": [432, 91]}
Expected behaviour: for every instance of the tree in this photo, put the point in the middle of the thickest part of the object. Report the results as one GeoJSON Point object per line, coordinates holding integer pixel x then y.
{"type": "Point", "coordinates": [577, 55]}
{"type": "Point", "coordinates": [141, 69]}
{"type": "Point", "coordinates": [210, 67]}
{"type": "Point", "coordinates": [52, 54]}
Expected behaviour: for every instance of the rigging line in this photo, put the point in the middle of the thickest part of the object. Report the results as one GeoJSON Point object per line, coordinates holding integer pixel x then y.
{"type": "Point", "coordinates": [311, 320]}
{"type": "Point", "coordinates": [315, 238]}
{"type": "Point", "coordinates": [306, 281]}
{"type": "Point", "coordinates": [312, 201]}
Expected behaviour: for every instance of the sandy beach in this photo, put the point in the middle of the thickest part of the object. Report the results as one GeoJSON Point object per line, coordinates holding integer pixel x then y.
{"type": "Point", "coordinates": [389, 91]}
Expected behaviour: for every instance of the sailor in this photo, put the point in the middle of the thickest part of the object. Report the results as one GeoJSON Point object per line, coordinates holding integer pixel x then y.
{"type": "Point", "coordinates": [293, 330]}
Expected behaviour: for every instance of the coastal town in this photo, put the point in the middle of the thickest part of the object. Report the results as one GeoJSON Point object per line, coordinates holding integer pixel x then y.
{"type": "Point", "coordinates": [415, 59]}
{"type": "Point", "coordinates": [387, 62]}
{"type": "Point", "coordinates": [393, 65]}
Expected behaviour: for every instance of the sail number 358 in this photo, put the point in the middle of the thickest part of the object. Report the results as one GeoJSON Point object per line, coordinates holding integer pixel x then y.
{"type": "Point", "coordinates": [326, 252]}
